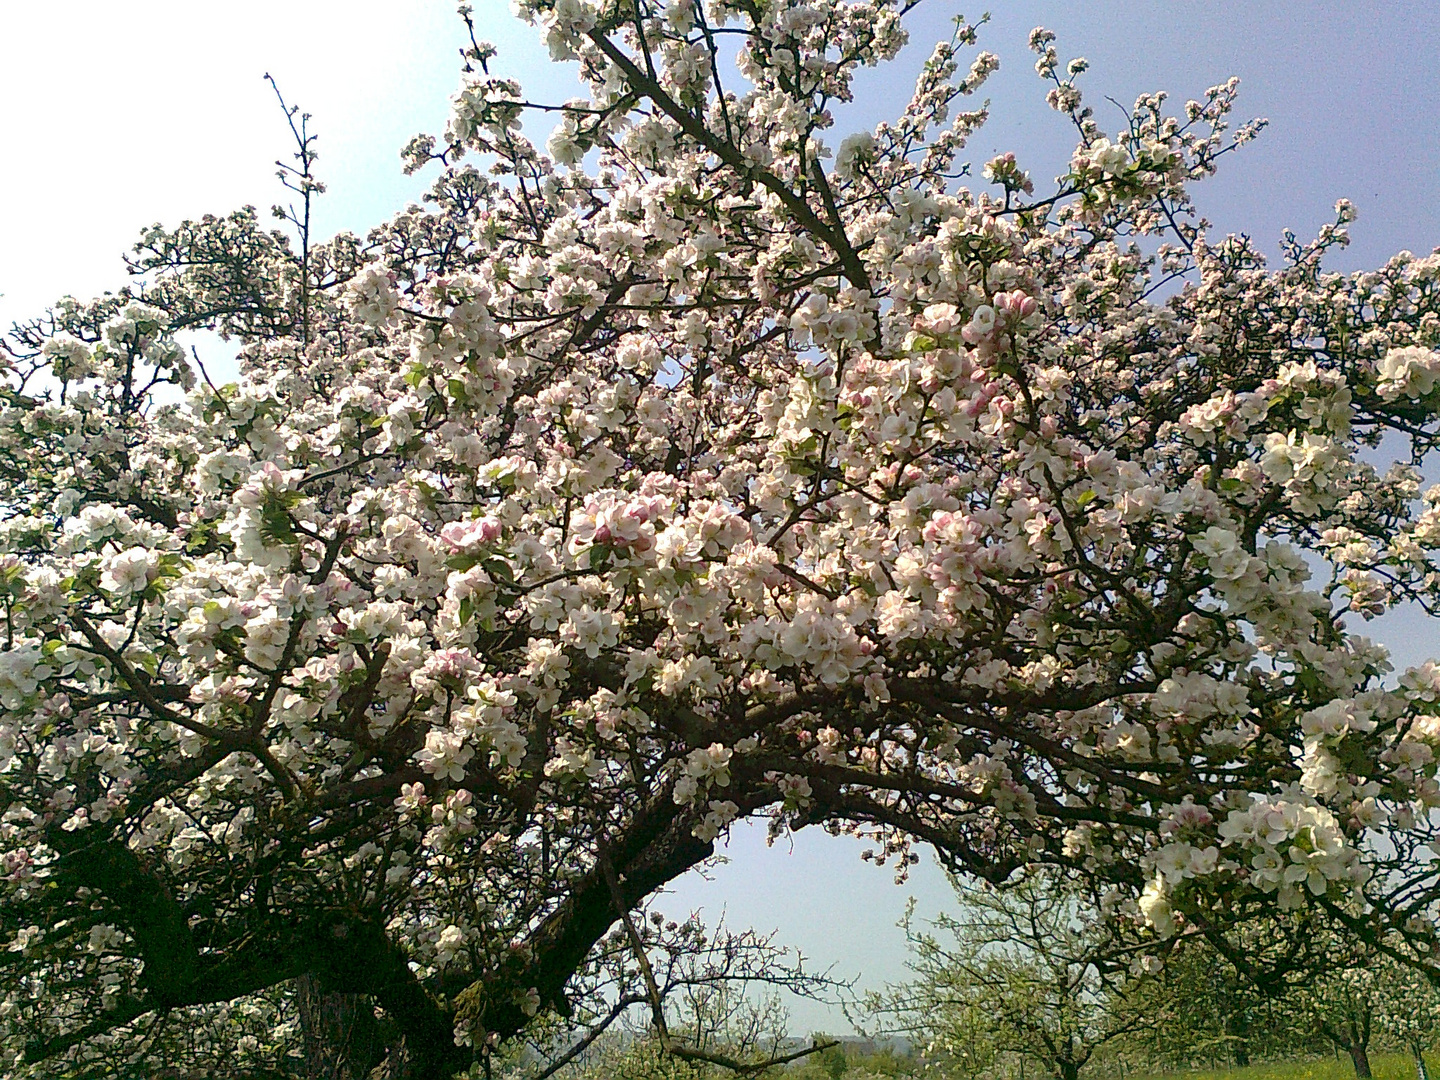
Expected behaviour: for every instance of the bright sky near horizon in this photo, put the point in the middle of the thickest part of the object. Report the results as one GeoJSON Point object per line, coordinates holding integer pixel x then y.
{"type": "Point", "coordinates": [120, 115]}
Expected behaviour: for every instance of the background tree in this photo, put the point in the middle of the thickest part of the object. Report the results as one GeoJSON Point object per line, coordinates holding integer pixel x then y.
{"type": "Point", "coordinates": [1409, 1013]}
{"type": "Point", "coordinates": [1235, 991]}
{"type": "Point", "coordinates": [1022, 969]}
{"type": "Point", "coordinates": [1377, 1000]}
{"type": "Point", "coordinates": [1343, 1005]}
{"type": "Point", "coordinates": [706, 999]}
{"type": "Point", "coordinates": [829, 1062]}
{"type": "Point", "coordinates": [721, 1020]}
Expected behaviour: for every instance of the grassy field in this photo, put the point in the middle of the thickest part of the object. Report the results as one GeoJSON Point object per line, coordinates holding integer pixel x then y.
{"type": "Point", "coordinates": [1384, 1067]}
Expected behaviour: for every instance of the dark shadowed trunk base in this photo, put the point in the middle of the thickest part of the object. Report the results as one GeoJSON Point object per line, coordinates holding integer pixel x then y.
{"type": "Point", "coordinates": [1237, 1032]}
{"type": "Point", "coordinates": [1362, 1062]}
{"type": "Point", "coordinates": [343, 1040]}
{"type": "Point", "coordinates": [398, 1064]}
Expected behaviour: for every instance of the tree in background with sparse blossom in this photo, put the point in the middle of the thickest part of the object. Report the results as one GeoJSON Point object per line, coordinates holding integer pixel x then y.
{"type": "Point", "coordinates": [1024, 973]}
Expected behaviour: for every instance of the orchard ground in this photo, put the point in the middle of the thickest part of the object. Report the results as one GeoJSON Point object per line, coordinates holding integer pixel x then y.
{"type": "Point", "coordinates": [1383, 1066]}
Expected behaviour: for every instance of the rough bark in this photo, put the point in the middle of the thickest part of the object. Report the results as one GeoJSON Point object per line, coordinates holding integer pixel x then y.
{"type": "Point", "coordinates": [346, 960]}
{"type": "Point", "coordinates": [342, 1040]}
{"type": "Point", "coordinates": [1361, 1060]}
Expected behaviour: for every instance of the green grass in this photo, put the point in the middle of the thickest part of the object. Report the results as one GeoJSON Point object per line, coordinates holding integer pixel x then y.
{"type": "Point", "coordinates": [1384, 1067]}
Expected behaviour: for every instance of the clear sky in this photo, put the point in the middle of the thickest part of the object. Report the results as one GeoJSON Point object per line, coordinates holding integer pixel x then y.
{"type": "Point", "coordinates": [120, 115]}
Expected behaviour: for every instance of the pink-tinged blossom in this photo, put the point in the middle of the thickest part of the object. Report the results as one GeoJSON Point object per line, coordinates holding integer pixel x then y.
{"type": "Point", "coordinates": [468, 536]}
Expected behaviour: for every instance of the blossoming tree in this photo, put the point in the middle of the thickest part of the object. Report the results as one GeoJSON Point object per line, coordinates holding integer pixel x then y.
{"type": "Point", "coordinates": [684, 473]}
{"type": "Point", "coordinates": [1021, 972]}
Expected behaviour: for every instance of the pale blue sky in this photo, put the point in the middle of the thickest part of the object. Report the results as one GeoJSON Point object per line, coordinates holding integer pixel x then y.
{"type": "Point", "coordinates": [118, 115]}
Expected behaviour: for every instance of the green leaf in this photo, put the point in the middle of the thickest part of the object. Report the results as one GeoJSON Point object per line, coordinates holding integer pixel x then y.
{"type": "Point", "coordinates": [275, 526]}
{"type": "Point", "coordinates": [499, 570]}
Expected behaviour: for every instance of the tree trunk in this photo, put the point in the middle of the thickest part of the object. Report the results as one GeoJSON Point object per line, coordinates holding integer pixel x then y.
{"type": "Point", "coordinates": [342, 1038]}
{"type": "Point", "coordinates": [1421, 1073]}
{"type": "Point", "coordinates": [399, 1063]}
{"type": "Point", "coordinates": [1361, 1060]}
{"type": "Point", "coordinates": [1067, 1070]}
{"type": "Point", "coordinates": [1237, 1032]}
